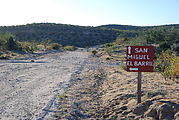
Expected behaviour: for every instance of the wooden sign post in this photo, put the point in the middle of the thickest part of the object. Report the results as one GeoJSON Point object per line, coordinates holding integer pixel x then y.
{"type": "Point", "coordinates": [139, 93]}
{"type": "Point", "coordinates": [139, 59]}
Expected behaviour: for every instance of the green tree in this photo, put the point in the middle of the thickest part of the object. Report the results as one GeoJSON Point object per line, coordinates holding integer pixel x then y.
{"type": "Point", "coordinates": [7, 41]}
{"type": "Point", "coordinates": [12, 44]}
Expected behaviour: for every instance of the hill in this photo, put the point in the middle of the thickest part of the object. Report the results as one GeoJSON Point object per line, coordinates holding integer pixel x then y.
{"type": "Point", "coordinates": [121, 27]}
{"type": "Point", "coordinates": [80, 36]}
{"type": "Point", "coordinates": [60, 33]}
{"type": "Point", "coordinates": [134, 28]}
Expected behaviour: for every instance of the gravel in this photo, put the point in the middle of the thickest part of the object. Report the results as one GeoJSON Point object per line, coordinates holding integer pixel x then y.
{"type": "Point", "coordinates": [29, 87]}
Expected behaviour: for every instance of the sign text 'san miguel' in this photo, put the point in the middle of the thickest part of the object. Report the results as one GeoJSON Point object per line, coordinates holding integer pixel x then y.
{"type": "Point", "coordinates": [140, 58]}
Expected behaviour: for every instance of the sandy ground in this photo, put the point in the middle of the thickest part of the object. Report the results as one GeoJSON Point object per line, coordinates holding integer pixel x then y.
{"type": "Point", "coordinates": [110, 93]}
{"type": "Point", "coordinates": [28, 87]}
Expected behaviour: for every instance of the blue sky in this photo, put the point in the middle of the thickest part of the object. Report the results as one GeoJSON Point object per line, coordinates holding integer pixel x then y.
{"type": "Point", "coordinates": [90, 12]}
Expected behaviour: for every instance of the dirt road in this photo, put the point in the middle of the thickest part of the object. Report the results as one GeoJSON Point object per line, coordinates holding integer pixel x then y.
{"type": "Point", "coordinates": [28, 89]}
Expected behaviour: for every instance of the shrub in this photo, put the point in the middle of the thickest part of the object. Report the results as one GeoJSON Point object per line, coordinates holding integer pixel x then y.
{"type": "Point", "coordinates": [120, 40]}
{"type": "Point", "coordinates": [12, 44]}
{"type": "Point", "coordinates": [70, 48]}
{"type": "Point", "coordinates": [106, 45]}
{"type": "Point", "coordinates": [165, 64]}
{"type": "Point", "coordinates": [108, 58]}
{"type": "Point", "coordinates": [164, 46]}
{"type": "Point", "coordinates": [28, 46]}
{"type": "Point", "coordinates": [175, 47]}
{"type": "Point", "coordinates": [55, 46]}
{"type": "Point", "coordinates": [123, 67]}
{"type": "Point", "coordinates": [94, 52]}
{"type": "Point", "coordinates": [108, 50]}
{"type": "Point", "coordinates": [7, 42]}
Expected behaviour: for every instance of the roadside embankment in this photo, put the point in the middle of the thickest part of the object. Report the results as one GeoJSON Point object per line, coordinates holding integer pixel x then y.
{"type": "Point", "coordinates": [110, 93]}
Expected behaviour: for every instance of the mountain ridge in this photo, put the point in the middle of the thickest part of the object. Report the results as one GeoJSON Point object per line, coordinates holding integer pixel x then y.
{"type": "Point", "coordinates": [80, 36]}
{"type": "Point", "coordinates": [118, 26]}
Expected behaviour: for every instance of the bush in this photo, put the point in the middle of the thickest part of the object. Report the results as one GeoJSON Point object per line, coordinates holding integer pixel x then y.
{"type": "Point", "coordinates": [120, 40]}
{"type": "Point", "coordinates": [108, 50]}
{"type": "Point", "coordinates": [94, 52]}
{"type": "Point", "coordinates": [109, 58]}
{"type": "Point", "coordinates": [28, 46]}
{"type": "Point", "coordinates": [12, 44]}
{"type": "Point", "coordinates": [70, 48]}
{"type": "Point", "coordinates": [164, 46]}
{"type": "Point", "coordinates": [165, 64]}
{"type": "Point", "coordinates": [107, 45]}
{"type": "Point", "coordinates": [55, 46]}
{"type": "Point", "coordinates": [123, 67]}
{"type": "Point", "coordinates": [175, 47]}
{"type": "Point", "coordinates": [7, 42]}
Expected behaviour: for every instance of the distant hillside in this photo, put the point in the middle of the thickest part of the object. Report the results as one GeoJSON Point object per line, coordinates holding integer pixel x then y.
{"type": "Point", "coordinates": [61, 33]}
{"type": "Point", "coordinates": [121, 27]}
{"type": "Point", "coordinates": [81, 36]}
{"type": "Point", "coordinates": [130, 27]}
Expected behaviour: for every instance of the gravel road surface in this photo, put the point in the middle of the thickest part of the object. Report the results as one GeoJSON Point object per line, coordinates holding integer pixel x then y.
{"type": "Point", "coordinates": [28, 89]}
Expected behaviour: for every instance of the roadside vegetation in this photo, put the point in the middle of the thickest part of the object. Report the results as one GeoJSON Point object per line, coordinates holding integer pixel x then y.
{"type": "Point", "coordinates": [164, 39]}
{"type": "Point", "coordinates": [9, 46]}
